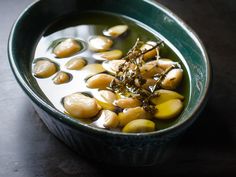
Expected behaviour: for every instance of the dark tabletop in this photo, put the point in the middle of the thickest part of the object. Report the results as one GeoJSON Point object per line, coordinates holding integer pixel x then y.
{"type": "Point", "coordinates": [28, 149]}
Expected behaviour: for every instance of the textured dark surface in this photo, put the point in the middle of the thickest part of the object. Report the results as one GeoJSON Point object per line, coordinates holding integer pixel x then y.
{"type": "Point", "coordinates": [27, 149]}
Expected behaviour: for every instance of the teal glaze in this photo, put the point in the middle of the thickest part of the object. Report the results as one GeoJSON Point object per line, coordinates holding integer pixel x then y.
{"type": "Point", "coordinates": [113, 147]}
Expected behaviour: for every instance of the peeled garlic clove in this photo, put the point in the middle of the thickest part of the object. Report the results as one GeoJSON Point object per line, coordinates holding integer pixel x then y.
{"type": "Point", "coordinates": [169, 109]}
{"type": "Point", "coordinates": [100, 43]}
{"type": "Point", "coordinates": [172, 79]}
{"type": "Point", "coordinates": [116, 31]}
{"type": "Point", "coordinates": [112, 66]}
{"type": "Point", "coordinates": [165, 63]}
{"type": "Point", "coordinates": [107, 119]}
{"type": "Point", "coordinates": [80, 106]}
{"type": "Point", "coordinates": [131, 114]}
{"type": "Point", "coordinates": [67, 48]}
{"type": "Point", "coordinates": [76, 63]}
{"type": "Point", "coordinates": [100, 81]}
{"type": "Point", "coordinates": [61, 78]}
{"type": "Point", "coordinates": [110, 119]}
{"type": "Point", "coordinates": [149, 83]}
{"type": "Point", "coordinates": [151, 54]}
{"type": "Point", "coordinates": [91, 69]}
{"type": "Point", "coordinates": [109, 55]}
{"type": "Point", "coordinates": [127, 103]}
{"type": "Point", "coordinates": [105, 99]}
{"type": "Point", "coordinates": [44, 68]}
{"type": "Point", "coordinates": [165, 95]}
{"type": "Point", "coordinates": [148, 70]}
{"type": "Point", "coordinates": [139, 126]}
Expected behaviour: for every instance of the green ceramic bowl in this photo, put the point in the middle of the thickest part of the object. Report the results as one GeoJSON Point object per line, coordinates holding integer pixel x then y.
{"type": "Point", "coordinates": [97, 144]}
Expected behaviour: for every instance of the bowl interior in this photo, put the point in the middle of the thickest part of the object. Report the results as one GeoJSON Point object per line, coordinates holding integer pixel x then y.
{"type": "Point", "coordinates": [33, 22]}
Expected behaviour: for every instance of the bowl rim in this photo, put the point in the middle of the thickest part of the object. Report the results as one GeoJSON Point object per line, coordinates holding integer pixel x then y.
{"type": "Point", "coordinates": [56, 114]}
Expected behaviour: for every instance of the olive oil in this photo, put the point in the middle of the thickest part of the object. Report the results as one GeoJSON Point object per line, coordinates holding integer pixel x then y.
{"type": "Point", "coordinates": [82, 27]}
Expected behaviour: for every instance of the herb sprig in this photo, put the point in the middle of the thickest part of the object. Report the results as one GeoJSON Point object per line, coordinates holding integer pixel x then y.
{"type": "Point", "coordinates": [129, 80]}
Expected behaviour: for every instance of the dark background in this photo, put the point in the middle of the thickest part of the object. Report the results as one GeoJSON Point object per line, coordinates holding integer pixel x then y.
{"type": "Point", "coordinates": [208, 148]}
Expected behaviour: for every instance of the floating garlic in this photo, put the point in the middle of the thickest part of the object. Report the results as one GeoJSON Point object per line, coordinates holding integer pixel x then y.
{"type": "Point", "coordinates": [172, 79]}
{"type": "Point", "coordinates": [127, 103]}
{"type": "Point", "coordinates": [91, 69]}
{"type": "Point", "coordinates": [105, 99]}
{"type": "Point", "coordinates": [44, 68]}
{"type": "Point", "coordinates": [76, 63]}
{"type": "Point", "coordinates": [169, 109]}
{"type": "Point", "coordinates": [165, 95]}
{"type": "Point", "coordinates": [149, 69]}
{"type": "Point", "coordinates": [100, 81]}
{"type": "Point", "coordinates": [80, 106]}
{"type": "Point", "coordinates": [100, 43]}
{"type": "Point", "coordinates": [109, 55]}
{"type": "Point", "coordinates": [151, 54]}
{"type": "Point", "coordinates": [61, 78]}
{"type": "Point", "coordinates": [67, 48]}
{"type": "Point", "coordinates": [139, 126]}
{"type": "Point", "coordinates": [130, 114]}
{"type": "Point", "coordinates": [116, 31]}
{"type": "Point", "coordinates": [112, 66]}
{"type": "Point", "coordinates": [165, 63]}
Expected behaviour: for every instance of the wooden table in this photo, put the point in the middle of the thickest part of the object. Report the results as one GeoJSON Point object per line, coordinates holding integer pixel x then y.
{"type": "Point", "coordinates": [28, 149]}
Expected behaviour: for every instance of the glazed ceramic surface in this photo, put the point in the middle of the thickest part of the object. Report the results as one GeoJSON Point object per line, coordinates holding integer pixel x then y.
{"type": "Point", "coordinates": [97, 144]}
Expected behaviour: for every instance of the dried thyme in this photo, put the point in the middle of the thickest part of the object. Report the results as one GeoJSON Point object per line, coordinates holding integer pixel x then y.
{"type": "Point", "coordinates": [129, 80]}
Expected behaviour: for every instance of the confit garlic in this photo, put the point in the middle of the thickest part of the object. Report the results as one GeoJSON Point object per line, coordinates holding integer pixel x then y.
{"type": "Point", "coordinates": [105, 99]}
{"type": "Point", "coordinates": [165, 63]}
{"type": "Point", "coordinates": [139, 126]}
{"type": "Point", "coordinates": [127, 103]}
{"type": "Point", "coordinates": [100, 43]}
{"type": "Point", "coordinates": [107, 119]}
{"type": "Point", "coordinates": [150, 69]}
{"type": "Point", "coordinates": [92, 69]}
{"type": "Point", "coordinates": [67, 48]}
{"type": "Point", "coordinates": [112, 66]}
{"type": "Point", "coordinates": [44, 68]}
{"type": "Point", "coordinates": [100, 81]}
{"type": "Point", "coordinates": [110, 119]}
{"type": "Point", "coordinates": [81, 106]}
{"type": "Point", "coordinates": [116, 31]}
{"type": "Point", "coordinates": [165, 95]}
{"type": "Point", "coordinates": [61, 78]}
{"type": "Point", "coordinates": [172, 79]}
{"type": "Point", "coordinates": [169, 109]}
{"type": "Point", "coordinates": [130, 114]}
{"type": "Point", "coordinates": [76, 63]}
{"type": "Point", "coordinates": [109, 55]}
{"type": "Point", "coordinates": [151, 54]}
